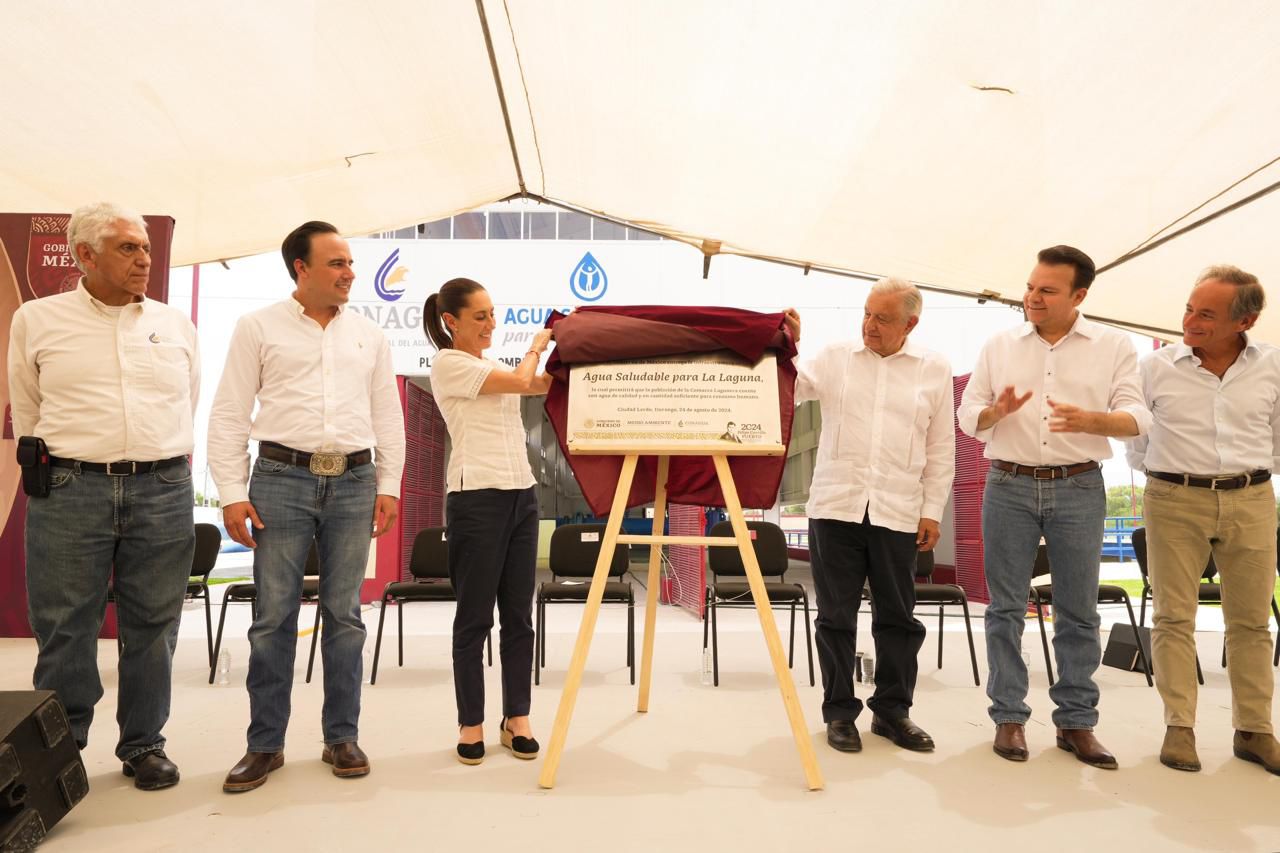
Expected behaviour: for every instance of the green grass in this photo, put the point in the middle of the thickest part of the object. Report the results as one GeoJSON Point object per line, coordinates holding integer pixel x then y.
{"type": "Point", "coordinates": [216, 581]}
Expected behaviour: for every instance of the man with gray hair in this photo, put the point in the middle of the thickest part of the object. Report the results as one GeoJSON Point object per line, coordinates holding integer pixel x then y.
{"type": "Point", "coordinates": [886, 458]}
{"type": "Point", "coordinates": [109, 380]}
{"type": "Point", "coordinates": [1214, 441]}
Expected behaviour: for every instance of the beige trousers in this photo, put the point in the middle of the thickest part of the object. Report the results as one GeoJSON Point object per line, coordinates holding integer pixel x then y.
{"type": "Point", "coordinates": [1184, 524]}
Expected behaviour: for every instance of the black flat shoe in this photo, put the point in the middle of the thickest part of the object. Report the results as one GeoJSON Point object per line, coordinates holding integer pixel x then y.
{"type": "Point", "coordinates": [903, 732]}
{"type": "Point", "coordinates": [520, 746]}
{"type": "Point", "coordinates": [470, 753]}
{"type": "Point", "coordinates": [843, 735]}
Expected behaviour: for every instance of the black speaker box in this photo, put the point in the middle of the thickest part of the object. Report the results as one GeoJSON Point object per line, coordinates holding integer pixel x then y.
{"type": "Point", "coordinates": [1122, 648]}
{"type": "Point", "coordinates": [41, 774]}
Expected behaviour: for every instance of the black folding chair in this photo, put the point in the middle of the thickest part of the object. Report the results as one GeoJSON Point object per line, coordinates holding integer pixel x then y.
{"type": "Point", "coordinates": [203, 560]}
{"type": "Point", "coordinates": [1042, 595]}
{"type": "Point", "coordinates": [770, 546]}
{"type": "Point", "coordinates": [943, 595]}
{"type": "Point", "coordinates": [429, 565]}
{"type": "Point", "coordinates": [574, 551]}
{"type": "Point", "coordinates": [247, 593]}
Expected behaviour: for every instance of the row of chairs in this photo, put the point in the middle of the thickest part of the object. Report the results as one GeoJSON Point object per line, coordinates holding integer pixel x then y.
{"type": "Point", "coordinates": [575, 547]}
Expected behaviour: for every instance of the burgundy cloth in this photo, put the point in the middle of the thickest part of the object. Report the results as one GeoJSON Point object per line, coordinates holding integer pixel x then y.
{"type": "Point", "coordinates": [606, 333]}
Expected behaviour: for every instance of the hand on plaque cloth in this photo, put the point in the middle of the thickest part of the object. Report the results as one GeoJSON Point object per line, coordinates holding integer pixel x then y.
{"type": "Point", "coordinates": [602, 334]}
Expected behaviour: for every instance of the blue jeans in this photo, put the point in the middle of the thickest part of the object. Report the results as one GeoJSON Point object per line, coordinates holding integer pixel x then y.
{"type": "Point", "coordinates": [297, 508]}
{"type": "Point", "coordinates": [1069, 514]}
{"type": "Point", "coordinates": [143, 526]}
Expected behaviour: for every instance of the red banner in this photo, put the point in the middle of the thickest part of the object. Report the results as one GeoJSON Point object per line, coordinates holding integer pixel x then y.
{"type": "Point", "coordinates": [33, 263]}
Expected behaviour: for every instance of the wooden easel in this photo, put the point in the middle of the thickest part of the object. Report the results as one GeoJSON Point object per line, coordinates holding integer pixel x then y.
{"type": "Point", "coordinates": [742, 540]}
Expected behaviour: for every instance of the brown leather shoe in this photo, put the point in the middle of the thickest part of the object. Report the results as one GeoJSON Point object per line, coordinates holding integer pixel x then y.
{"type": "Point", "coordinates": [251, 771]}
{"type": "Point", "coordinates": [1010, 742]}
{"type": "Point", "coordinates": [347, 759]}
{"type": "Point", "coordinates": [1085, 747]}
{"type": "Point", "coordinates": [1259, 748]}
{"type": "Point", "coordinates": [1179, 749]}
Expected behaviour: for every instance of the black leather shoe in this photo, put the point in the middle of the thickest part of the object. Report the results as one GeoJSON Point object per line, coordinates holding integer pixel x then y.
{"type": "Point", "coordinates": [520, 746]}
{"type": "Point", "coordinates": [251, 771]}
{"type": "Point", "coordinates": [903, 732]}
{"type": "Point", "coordinates": [471, 753]}
{"type": "Point", "coordinates": [151, 771]}
{"type": "Point", "coordinates": [347, 759]}
{"type": "Point", "coordinates": [843, 735]}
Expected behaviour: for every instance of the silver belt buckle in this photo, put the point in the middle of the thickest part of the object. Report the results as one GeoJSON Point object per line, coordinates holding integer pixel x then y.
{"type": "Point", "coordinates": [1228, 482]}
{"type": "Point", "coordinates": [328, 464]}
{"type": "Point", "coordinates": [1048, 472]}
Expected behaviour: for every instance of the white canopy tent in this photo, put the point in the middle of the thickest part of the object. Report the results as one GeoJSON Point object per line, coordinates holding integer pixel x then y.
{"type": "Point", "coordinates": [941, 141]}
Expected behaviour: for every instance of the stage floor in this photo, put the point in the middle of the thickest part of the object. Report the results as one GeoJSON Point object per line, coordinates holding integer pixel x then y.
{"type": "Point", "coordinates": [707, 768]}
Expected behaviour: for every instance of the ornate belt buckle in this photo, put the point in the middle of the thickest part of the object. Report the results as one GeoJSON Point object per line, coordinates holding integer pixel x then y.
{"type": "Point", "coordinates": [328, 464]}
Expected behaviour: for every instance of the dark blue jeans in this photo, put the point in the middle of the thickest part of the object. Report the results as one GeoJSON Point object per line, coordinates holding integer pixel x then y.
{"type": "Point", "coordinates": [1016, 512]}
{"type": "Point", "coordinates": [297, 508]}
{"type": "Point", "coordinates": [142, 525]}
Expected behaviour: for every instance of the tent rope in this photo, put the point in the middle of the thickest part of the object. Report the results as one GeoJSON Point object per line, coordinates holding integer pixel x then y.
{"type": "Point", "coordinates": [502, 96]}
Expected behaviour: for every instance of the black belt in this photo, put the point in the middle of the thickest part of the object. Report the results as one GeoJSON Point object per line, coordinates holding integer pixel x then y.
{"type": "Point", "coordinates": [280, 453]}
{"type": "Point", "coordinates": [1218, 484]}
{"type": "Point", "coordinates": [1047, 472]}
{"type": "Point", "coordinates": [124, 468]}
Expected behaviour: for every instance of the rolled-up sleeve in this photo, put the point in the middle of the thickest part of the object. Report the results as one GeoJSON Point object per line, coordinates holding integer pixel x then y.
{"type": "Point", "coordinates": [1126, 387]}
{"type": "Point", "coordinates": [977, 396]}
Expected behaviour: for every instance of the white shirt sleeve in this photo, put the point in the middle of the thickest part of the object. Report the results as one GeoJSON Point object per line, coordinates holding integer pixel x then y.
{"type": "Point", "coordinates": [457, 374]}
{"type": "Point", "coordinates": [24, 380]}
{"type": "Point", "coordinates": [978, 394]}
{"type": "Point", "coordinates": [940, 449]}
{"type": "Point", "coordinates": [1135, 447]}
{"type": "Point", "coordinates": [388, 423]}
{"type": "Point", "coordinates": [1126, 387]}
{"type": "Point", "coordinates": [807, 385]}
{"type": "Point", "coordinates": [231, 416]}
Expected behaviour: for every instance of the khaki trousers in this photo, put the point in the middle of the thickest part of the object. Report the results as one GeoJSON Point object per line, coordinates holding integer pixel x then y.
{"type": "Point", "coordinates": [1184, 524]}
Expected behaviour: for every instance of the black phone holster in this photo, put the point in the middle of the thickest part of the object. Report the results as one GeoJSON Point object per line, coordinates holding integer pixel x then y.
{"type": "Point", "coordinates": [33, 456]}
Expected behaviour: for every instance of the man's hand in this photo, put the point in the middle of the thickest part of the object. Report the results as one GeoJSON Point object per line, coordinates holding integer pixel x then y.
{"type": "Point", "coordinates": [385, 510]}
{"type": "Point", "coordinates": [1069, 418]}
{"type": "Point", "coordinates": [1006, 404]}
{"type": "Point", "coordinates": [234, 517]}
{"type": "Point", "coordinates": [928, 532]}
{"type": "Point", "coordinates": [792, 318]}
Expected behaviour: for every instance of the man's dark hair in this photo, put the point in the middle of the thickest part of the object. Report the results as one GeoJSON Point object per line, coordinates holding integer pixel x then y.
{"type": "Point", "coordinates": [1073, 257]}
{"type": "Point", "coordinates": [297, 246]}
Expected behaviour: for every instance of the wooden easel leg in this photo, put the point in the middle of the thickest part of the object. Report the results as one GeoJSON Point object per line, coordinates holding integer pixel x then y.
{"type": "Point", "coordinates": [655, 568]}
{"type": "Point", "coordinates": [790, 700]}
{"type": "Point", "coordinates": [560, 730]}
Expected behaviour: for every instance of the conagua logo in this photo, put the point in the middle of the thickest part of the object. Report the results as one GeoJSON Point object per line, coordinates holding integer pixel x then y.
{"type": "Point", "coordinates": [588, 280]}
{"type": "Point", "coordinates": [388, 276]}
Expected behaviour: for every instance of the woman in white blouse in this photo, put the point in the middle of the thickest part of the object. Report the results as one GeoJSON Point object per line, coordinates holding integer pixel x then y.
{"type": "Point", "coordinates": [491, 512]}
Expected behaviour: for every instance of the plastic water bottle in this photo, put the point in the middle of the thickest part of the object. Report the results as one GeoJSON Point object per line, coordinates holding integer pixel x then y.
{"type": "Point", "coordinates": [368, 663]}
{"type": "Point", "coordinates": [224, 667]}
{"type": "Point", "coordinates": [868, 670]}
{"type": "Point", "coordinates": [706, 666]}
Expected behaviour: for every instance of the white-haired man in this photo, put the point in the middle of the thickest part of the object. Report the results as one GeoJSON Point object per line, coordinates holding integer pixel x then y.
{"type": "Point", "coordinates": [1213, 444]}
{"type": "Point", "coordinates": [886, 458]}
{"type": "Point", "coordinates": [109, 380]}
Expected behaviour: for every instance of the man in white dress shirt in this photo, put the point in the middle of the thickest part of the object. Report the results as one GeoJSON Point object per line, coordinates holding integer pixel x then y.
{"type": "Point", "coordinates": [886, 458]}
{"type": "Point", "coordinates": [109, 380]}
{"type": "Point", "coordinates": [1044, 396]}
{"type": "Point", "coordinates": [1214, 441]}
{"type": "Point", "coordinates": [327, 397]}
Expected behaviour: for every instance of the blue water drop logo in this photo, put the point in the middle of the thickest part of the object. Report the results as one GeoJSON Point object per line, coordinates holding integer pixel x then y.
{"type": "Point", "coordinates": [388, 276]}
{"type": "Point", "coordinates": [588, 281]}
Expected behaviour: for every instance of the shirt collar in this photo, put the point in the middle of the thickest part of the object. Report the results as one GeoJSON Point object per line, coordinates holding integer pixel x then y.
{"type": "Point", "coordinates": [297, 308]}
{"type": "Point", "coordinates": [1251, 348]}
{"type": "Point", "coordinates": [909, 349]}
{"type": "Point", "coordinates": [1082, 326]}
{"type": "Point", "coordinates": [97, 305]}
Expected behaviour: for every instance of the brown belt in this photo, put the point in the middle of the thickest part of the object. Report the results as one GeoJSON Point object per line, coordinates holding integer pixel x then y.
{"type": "Point", "coordinates": [280, 453]}
{"type": "Point", "coordinates": [1218, 484]}
{"type": "Point", "coordinates": [1048, 472]}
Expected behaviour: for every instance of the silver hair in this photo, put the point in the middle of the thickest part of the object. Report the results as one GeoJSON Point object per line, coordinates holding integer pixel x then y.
{"type": "Point", "coordinates": [912, 302]}
{"type": "Point", "coordinates": [1250, 298]}
{"type": "Point", "coordinates": [93, 223]}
